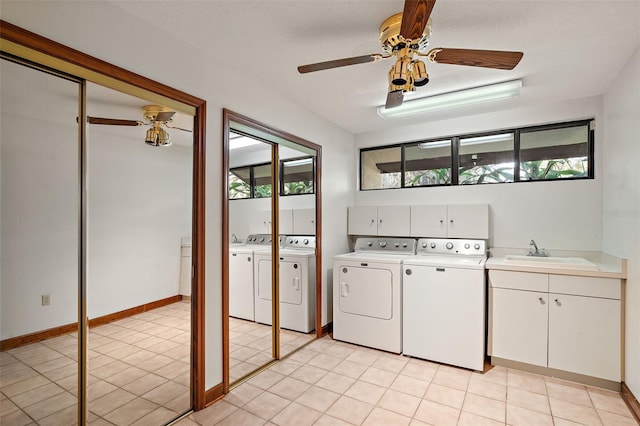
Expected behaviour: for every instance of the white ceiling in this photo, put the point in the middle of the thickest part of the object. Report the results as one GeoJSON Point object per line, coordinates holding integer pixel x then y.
{"type": "Point", "coordinates": [572, 49]}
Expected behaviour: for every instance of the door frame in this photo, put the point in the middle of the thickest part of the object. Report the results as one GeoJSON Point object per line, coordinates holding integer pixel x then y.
{"type": "Point", "coordinates": [32, 47]}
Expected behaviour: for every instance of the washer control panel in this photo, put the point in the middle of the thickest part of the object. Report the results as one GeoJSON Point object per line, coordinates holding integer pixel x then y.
{"type": "Point", "coordinates": [387, 245]}
{"type": "Point", "coordinates": [452, 246]}
{"type": "Point", "coordinates": [299, 241]}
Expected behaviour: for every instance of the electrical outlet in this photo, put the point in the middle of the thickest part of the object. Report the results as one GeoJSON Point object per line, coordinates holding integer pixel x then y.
{"type": "Point", "coordinates": [46, 300]}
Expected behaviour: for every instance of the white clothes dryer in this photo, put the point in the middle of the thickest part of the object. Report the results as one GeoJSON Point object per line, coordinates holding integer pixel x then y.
{"type": "Point", "coordinates": [367, 292]}
{"type": "Point", "coordinates": [297, 284]}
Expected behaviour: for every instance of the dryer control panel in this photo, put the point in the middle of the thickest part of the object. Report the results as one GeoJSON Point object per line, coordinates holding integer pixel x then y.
{"type": "Point", "coordinates": [452, 246]}
{"type": "Point", "coordinates": [386, 245]}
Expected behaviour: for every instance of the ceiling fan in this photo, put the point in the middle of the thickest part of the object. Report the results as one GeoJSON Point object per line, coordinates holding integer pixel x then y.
{"type": "Point", "coordinates": [406, 35]}
{"type": "Point", "coordinates": [155, 116]}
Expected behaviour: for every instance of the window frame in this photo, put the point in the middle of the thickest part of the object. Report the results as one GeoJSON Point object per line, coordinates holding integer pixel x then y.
{"type": "Point", "coordinates": [455, 150]}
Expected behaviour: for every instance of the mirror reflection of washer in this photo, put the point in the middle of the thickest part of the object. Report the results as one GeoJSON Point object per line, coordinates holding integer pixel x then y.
{"type": "Point", "coordinates": [444, 302]}
{"type": "Point", "coordinates": [367, 292]}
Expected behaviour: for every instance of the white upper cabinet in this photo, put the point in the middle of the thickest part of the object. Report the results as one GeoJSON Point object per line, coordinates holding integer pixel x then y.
{"type": "Point", "coordinates": [379, 220]}
{"type": "Point", "coordinates": [285, 222]}
{"type": "Point", "coordinates": [468, 221]}
{"type": "Point", "coordinates": [450, 221]}
{"type": "Point", "coordinates": [429, 221]}
{"type": "Point", "coordinates": [304, 221]}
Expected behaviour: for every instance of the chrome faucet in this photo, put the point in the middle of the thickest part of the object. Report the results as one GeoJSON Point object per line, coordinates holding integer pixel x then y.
{"type": "Point", "coordinates": [235, 238]}
{"type": "Point", "coordinates": [536, 252]}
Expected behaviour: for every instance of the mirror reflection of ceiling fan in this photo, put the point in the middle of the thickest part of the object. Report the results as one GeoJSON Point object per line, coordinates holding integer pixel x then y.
{"type": "Point", "coordinates": [155, 116]}
{"type": "Point", "coordinates": [405, 36]}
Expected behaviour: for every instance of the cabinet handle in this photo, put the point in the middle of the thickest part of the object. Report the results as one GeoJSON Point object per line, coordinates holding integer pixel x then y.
{"type": "Point", "coordinates": [441, 221]}
{"type": "Point", "coordinates": [372, 220]}
{"type": "Point", "coordinates": [380, 220]}
{"type": "Point", "coordinates": [541, 300]}
{"type": "Point", "coordinates": [557, 302]}
{"type": "Point", "coordinates": [451, 221]}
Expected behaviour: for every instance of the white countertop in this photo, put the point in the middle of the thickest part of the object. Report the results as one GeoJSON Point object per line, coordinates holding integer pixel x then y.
{"type": "Point", "coordinates": [608, 266]}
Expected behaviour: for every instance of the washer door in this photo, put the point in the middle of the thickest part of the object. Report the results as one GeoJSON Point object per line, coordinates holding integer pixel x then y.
{"type": "Point", "coordinates": [366, 291]}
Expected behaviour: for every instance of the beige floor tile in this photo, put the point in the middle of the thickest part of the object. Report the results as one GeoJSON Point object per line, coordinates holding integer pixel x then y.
{"type": "Point", "coordinates": [471, 419]}
{"type": "Point", "coordinates": [266, 405]}
{"type": "Point", "coordinates": [612, 403]}
{"type": "Point", "coordinates": [350, 410]}
{"type": "Point", "coordinates": [25, 385]}
{"type": "Point", "coordinates": [382, 417]}
{"type": "Point", "coordinates": [98, 389]}
{"type": "Point", "coordinates": [67, 416]}
{"type": "Point", "coordinates": [392, 364]}
{"type": "Point", "coordinates": [15, 418]}
{"type": "Point", "coordinates": [335, 382]}
{"type": "Point", "coordinates": [364, 356]}
{"type": "Point", "coordinates": [166, 392]}
{"type": "Point", "coordinates": [242, 394]}
{"type": "Point", "coordinates": [577, 395]}
{"type": "Point", "coordinates": [526, 381]}
{"type": "Point", "coordinates": [613, 419]}
{"type": "Point", "coordinates": [214, 413]}
{"type": "Point", "coordinates": [309, 374]}
{"type": "Point", "coordinates": [179, 404]}
{"type": "Point", "coordinates": [378, 377]}
{"type": "Point", "coordinates": [436, 414]}
{"type": "Point", "coordinates": [421, 370]}
{"type": "Point", "coordinates": [485, 407]}
{"type": "Point", "coordinates": [453, 378]}
{"type": "Point", "coordinates": [289, 388]}
{"type": "Point", "coordinates": [325, 361]}
{"type": "Point", "coordinates": [130, 412]}
{"type": "Point", "coordinates": [365, 392]}
{"type": "Point", "coordinates": [445, 395]}
{"type": "Point", "coordinates": [399, 402]}
{"type": "Point", "coordinates": [574, 412]}
{"type": "Point", "coordinates": [144, 384]}
{"type": "Point", "coordinates": [266, 379]}
{"type": "Point", "coordinates": [519, 416]}
{"type": "Point", "coordinates": [296, 414]}
{"type": "Point", "coordinates": [69, 370]}
{"type": "Point", "coordinates": [159, 416]}
{"type": "Point", "coordinates": [530, 400]}
{"type": "Point", "coordinates": [285, 366]}
{"type": "Point", "coordinates": [241, 418]}
{"type": "Point", "coordinates": [173, 369]}
{"type": "Point", "coordinates": [126, 376]}
{"type": "Point", "coordinates": [410, 386]}
{"type": "Point", "coordinates": [487, 388]}
{"type": "Point", "coordinates": [339, 351]}
{"type": "Point", "coordinates": [110, 369]}
{"type": "Point", "coordinates": [50, 405]}
{"type": "Point", "coordinates": [110, 401]}
{"type": "Point", "coordinates": [350, 368]}
{"type": "Point", "coordinates": [326, 420]}
{"type": "Point", "coordinates": [318, 398]}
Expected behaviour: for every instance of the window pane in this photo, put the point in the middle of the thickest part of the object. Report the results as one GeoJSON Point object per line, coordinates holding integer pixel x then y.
{"type": "Point", "coordinates": [427, 163]}
{"type": "Point", "coordinates": [555, 153]}
{"type": "Point", "coordinates": [239, 183]}
{"type": "Point", "coordinates": [380, 168]}
{"type": "Point", "coordinates": [262, 181]}
{"type": "Point", "coordinates": [486, 159]}
{"type": "Point", "coordinates": [297, 176]}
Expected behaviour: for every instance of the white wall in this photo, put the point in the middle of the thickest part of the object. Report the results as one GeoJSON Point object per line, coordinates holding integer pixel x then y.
{"type": "Point", "coordinates": [558, 215]}
{"type": "Point", "coordinates": [89, 27]}
{"type": "Point", "coordinates": [621, 201]}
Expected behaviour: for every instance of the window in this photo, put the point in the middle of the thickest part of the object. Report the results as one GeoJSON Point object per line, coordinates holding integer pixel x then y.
{"type": "Point", "coordinates": [297, 176]}
{"type": "Point", "coordinates": [427, 163]}
{"type": "Point", "coordinates": [486, 159]}
{"type": "Point", "coordinates": [551, 152]}
{"type": "Point", "coordinates": [381, 168]}
{"type": "Point", "coordinates": [254, 181]}
{"type": "Point", "coordinates": [555, 154]}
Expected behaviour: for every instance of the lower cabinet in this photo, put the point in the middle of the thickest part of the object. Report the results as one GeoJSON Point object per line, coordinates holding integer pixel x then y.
{"type": "Point", "coordinates": [568, 323]}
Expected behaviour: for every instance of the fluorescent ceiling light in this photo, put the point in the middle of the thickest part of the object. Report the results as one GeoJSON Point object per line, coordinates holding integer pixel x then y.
{"type": "Point", "coordinates": [242, 141]}
{"type": "Point", "coordinates": [492, 92]}
{"type": "Point", "coordinates": [301, 162]}
{"type": "Point", "coordinates": [502, 137]}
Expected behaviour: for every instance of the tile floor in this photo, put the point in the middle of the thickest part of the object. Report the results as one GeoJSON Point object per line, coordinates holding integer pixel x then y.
{"type": "Point", "coordinates": [138, 373]}
{"type": "Point", "coordinates": [250, 345]}
{"type": "Point", "coordinates": [331, 383]}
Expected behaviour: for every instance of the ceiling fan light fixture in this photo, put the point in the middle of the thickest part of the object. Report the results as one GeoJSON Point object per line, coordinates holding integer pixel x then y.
{"type": "Point", "coordinates": [491, 92]}
{"type": "Point", "coordinates": [163, 138]}
{"type": "Point", "coordinates": [420, 75]}
{"type": "Point", "coordinates": [400, 71]}
{"type": "Point", "coordinates": [151, 137]}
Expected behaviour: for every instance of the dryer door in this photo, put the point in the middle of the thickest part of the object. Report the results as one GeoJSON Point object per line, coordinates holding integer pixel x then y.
{"type": "Point", "coordinates": [241, 285]}
{"type": "Point", "coordinates": [366, 291]}
{"type": "Point", "coordinates": [263, 268]}
{"type": "Point", "coordinates": [291, 282]}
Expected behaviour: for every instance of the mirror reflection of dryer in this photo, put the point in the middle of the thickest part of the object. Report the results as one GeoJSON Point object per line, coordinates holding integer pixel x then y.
{"type": "Point", "coordinates": [367, 292]}
{"type": "Point", "coordinates": [297, 284]}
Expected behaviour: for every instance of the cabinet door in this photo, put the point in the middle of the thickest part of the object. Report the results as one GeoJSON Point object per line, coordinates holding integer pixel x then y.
{"type": "Point", "coordinates": [363, 220]}
{"type": "Point", "coordinates": [584, 335]}
{"type": "Point", "coordinates": [429, 221]}
{"type": "Point", "coordinates": [519, 325]}
{"type": "Point", "coordinates": [304, 221]}
{"type": "Point", "coordinates": [468, 221]}
{"type": "Point", "coordinates": [394, 221]}
{"type": "Point", "coordinates": [261, 222]}
{"type": "Point", "coordinates": [285, 221]}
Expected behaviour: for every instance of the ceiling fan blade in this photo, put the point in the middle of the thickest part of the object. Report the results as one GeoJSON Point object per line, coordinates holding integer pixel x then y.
{"type": "Point", "coordinates": [394, 99]}
{"type": "Point", "coordinates": [499, 59]}
{"type": "Point", "coordinates": [179, 128]}
{"type": "Point", "coordinates": [113, 121]}
{"type": "Point", "coordinates": [336, 63]}
{"type": "Point", "coordinates": [415, 17]}
{"type": "Point", "coordinates": [165, 116]}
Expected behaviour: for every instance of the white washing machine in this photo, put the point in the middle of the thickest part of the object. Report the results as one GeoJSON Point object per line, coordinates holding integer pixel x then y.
{"type": "Point", "coordinates": [241, 280]}
{"type": "Point", "coordinates": [444, 302]}
{"type": "Point", "coordinates": [367, 292]}
{"type": "Point", "coordinates": [297, 284]}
